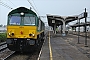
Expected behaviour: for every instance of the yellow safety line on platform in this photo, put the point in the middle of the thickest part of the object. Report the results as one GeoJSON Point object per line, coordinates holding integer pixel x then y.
{"type": "Point", "coordinates": [51, 58]}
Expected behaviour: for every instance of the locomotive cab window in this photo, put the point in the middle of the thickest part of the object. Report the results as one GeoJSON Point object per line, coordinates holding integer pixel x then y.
{"type": "Point", "coordinates": [15, 20]}
{"type": "Point", "coordinates": [29, 20]}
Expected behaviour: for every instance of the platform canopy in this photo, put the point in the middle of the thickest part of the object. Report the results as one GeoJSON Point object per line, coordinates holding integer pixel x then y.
{"type": "Point", "coordinates": [81, 24]}
{"type": "Point", "coordinates": [58, 20]}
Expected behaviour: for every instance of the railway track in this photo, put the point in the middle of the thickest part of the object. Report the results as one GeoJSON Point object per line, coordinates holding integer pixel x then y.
{"type": "Point", "coordinates": [2, 43]}
{"type": "Point", "coordinates": [6, 54]}
{"type": "Point", "coordinates": [4, 51]}
{"type": "Point", "coordinates": [33, 55]}
{"type": "Point", "coordinates": [3, 46]}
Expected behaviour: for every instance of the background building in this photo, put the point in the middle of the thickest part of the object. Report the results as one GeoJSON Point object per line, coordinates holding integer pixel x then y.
{"type": "Point", "coordinates": [3, 28]}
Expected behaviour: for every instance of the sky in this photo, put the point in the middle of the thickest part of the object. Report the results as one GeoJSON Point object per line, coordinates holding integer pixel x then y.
{"type": "Point", "coordinates": [43, 7]}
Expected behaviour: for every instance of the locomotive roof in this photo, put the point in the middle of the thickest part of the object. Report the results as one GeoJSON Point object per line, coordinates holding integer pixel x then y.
{"type": "Point", "coordinates": [22, 9]}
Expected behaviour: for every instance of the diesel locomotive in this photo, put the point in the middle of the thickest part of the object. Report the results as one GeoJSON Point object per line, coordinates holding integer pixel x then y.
{"type": "Point", "coordinates": [25, 29]}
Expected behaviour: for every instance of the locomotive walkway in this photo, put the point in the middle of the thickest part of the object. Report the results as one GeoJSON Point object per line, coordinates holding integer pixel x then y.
{"type": "Point", "coordinates": [57, 47]}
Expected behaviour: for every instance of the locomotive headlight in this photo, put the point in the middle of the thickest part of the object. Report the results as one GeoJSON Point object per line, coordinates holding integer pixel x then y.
{"type": "Point", "coordinates": [33, 35]}
{"type": "Point", "coordinates": [9, 34]}
{"type": "Point", "coordinates": [22, 13]}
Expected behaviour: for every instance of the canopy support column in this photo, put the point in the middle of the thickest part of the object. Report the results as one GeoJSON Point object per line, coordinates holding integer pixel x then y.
{"type": "Point", "coordinates": [64, 29]}
{"type": "Point", "coordinates": [55, 29]}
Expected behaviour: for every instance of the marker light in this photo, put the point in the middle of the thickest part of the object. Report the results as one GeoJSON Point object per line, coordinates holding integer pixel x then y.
{"type": "Point", "coordinates": [30, 34]}
{"type": "Point", "coordinates": [12, 34]}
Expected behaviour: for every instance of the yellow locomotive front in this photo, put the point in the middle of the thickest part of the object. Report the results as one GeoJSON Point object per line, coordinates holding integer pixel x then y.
{"type": "Point", "coordinates": [22, 30]}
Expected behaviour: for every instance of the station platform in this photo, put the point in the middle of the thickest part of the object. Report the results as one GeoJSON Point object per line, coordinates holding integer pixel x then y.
{"type": "Point", "coordinates": [57, 47]}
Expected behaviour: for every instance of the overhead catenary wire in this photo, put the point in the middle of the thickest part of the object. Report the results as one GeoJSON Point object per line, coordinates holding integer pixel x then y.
{"type": "Point", "coordinates": [35, 5]}
{"type": "Point", "coordinates": [88, 17]}
{"type": "Point", "coordinates": [88, 9]}
{"type": "Point", "coordinates": [78, 11]}
{"type": "Point", "coordinates": [3, 4]}
{"type": "Point", "coordinates": [37, 9]}
{"type": "Point", "coordinates": [32, 6]}
{"type": "Point", "coordinates": [11, 2]}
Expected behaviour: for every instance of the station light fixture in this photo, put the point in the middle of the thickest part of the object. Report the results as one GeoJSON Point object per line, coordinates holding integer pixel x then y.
{"type": "Point", "coordinates": [53, 21]}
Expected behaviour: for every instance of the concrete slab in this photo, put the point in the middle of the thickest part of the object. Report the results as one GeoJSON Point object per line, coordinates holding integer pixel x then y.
{"type": "Point", "coordinates": [45, 51]}
{"type": "Point", "coordinates": [61, 50]}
